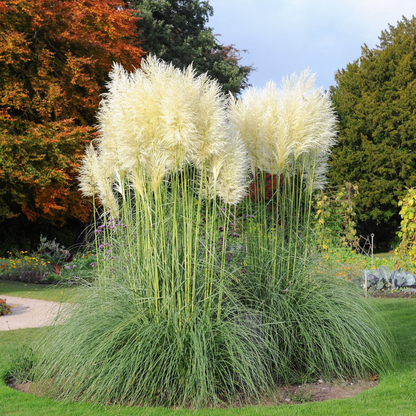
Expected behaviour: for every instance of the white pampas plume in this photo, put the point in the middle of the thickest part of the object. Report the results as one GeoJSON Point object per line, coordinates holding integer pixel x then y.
{"type": "Point", "coordinates": [308, 115]}
{"type": "Point", "coordinates": [118, 183]}
{"type": "Point", "coordinates": [158, 165]}
{"type": "Point", "coordinates": [178, 130]}
{"type": "Point", "coordinates": [229, 171]}
{"type": "Point", "coordinates": [88, 171]}
{"type": "Point", "coordinates": [137, 181]}
{"type": "Point", "coordinates": [276, 141]}
{"type": "Point", "coordinates": [279, 127]}
{"type": "Point", "coordinates": [112, 115]}
{"type": "Point", "coordinates": [246, 119]}
{"type": "Point", "coordinates": [210, 120]}
{"type": "Point", "coordinates": [316, 167]}
{"type": "Point", "coordinates": [210, 172]}
{"type": "Point", "coordinates": [95, 178]}
{"type": "Point", "coordinates": [105, 181]}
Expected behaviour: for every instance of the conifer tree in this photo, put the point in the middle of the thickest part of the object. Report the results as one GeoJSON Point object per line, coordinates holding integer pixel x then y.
{"type": "Point", "coordinates": [375, 98]}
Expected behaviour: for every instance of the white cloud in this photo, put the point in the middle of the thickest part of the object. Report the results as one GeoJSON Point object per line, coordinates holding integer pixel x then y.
{"type": "Point", "coordinates": [285, 36]}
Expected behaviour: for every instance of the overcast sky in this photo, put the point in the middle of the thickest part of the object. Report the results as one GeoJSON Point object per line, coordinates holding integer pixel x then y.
{"type": "Point", "coordinates": [286, 36]}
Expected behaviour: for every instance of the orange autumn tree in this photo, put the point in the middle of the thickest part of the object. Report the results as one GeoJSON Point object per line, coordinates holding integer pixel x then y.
{"type": "Point", "coordinates": [55, 56]}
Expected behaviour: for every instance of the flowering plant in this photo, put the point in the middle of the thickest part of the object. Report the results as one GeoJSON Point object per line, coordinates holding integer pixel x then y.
{"type": "Point", "coordinates": [219, 311]}
{"type": "Point", "coordinates": [4, 308]}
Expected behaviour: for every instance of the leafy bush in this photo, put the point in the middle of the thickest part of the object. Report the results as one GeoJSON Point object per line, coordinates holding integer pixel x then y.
{"type": "Point", "coordinates": [406, 252]}
{"type": "Point", "coordinates": [52, 251]}
{"type": "Point", "coordinates": [266, 334]}
{"type": "Point", "coordinates": [334, 221]}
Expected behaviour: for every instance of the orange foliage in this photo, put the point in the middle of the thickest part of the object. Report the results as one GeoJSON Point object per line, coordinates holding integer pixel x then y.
{"type": "Point", "coordinates": [55, 56]}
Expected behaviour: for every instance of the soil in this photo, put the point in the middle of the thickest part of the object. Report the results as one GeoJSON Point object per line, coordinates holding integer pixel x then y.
{"type": "Point", "coordinates": [311, 392]}
{"type": "Point", "coordinates": [320, 391]}
{"type": "Point", "coordinates": [400, 294]}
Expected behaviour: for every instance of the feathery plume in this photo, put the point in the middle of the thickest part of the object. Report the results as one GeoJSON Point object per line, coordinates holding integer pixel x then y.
{"type": "Point", "coordinates": [316, 167]}
{"type": "Point", "coordinates": [137, 181]}
{"type": "Point", "coordinates": [279, 127]}
{"type": "Point", "coordinates": [246, 118]}
{"type": "Point", "coordinates": [210, 120]}
{"type": "Point", "coordinates": [105, 181]}
{"type": "Point", "coordinates": [158, 165]}
{"type": "Point", "coordinates": [177, 108]}
{"type": "Point", "coordinates": [88, 171]}
{"type": "Point", "coordinates": [227, 173]}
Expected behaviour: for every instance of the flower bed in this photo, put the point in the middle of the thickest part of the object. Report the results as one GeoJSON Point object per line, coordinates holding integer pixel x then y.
{"type": "Point", "coordinates": [47, 265]}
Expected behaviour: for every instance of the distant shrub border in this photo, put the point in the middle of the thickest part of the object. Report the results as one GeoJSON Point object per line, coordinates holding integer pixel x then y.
{"type": "Point", "coordinates": [49, 264]}
{"type": "Point", "coordinates": [29, 277]}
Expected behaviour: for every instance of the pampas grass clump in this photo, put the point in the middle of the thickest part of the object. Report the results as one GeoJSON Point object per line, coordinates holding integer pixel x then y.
{"type": "Point", "coordinates": [114, 350]}
{"type": "Point", "coordinates": [204, 297]}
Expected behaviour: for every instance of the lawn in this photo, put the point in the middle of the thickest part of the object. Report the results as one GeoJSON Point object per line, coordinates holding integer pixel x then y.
{"type": "Point", "coordinates": [395, 394]}
{"type": "Point", "coordinates": [57, 293]}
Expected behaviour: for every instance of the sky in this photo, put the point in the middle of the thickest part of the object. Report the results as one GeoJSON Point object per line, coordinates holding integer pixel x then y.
{"type": "Point", "coordinates": [287, 36]}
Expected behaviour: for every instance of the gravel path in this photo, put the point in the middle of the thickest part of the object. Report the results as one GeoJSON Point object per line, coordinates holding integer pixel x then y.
{"type": "Point", "coordinates": [28, 313]}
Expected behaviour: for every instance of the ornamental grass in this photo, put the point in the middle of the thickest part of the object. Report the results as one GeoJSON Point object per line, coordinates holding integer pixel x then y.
{"type": "Point", "coordinates": [206, 293]}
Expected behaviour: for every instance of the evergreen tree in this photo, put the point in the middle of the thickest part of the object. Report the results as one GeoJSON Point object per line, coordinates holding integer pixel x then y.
{"type": "Point", "coordinates": [375, 98]}
{"type": "Point", "coordinates": [176, 31]}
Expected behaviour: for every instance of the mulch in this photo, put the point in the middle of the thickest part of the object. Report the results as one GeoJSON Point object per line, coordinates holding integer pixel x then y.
{"type": "Point", "coordinates": [401, 294]}
{"type": "Point", "coordinates": [284, 395]}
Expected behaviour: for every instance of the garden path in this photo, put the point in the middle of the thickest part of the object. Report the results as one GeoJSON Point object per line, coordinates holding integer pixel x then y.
{"type": "Point", "coordinates": [28, 313]}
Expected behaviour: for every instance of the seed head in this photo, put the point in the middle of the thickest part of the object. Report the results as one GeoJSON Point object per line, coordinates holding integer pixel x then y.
{"type": "Point", "coordinates": [284, 128]}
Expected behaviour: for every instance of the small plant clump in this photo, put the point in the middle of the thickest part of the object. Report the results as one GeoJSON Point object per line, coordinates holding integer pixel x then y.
{"type": "Point", "coordinates": [303, 396]}
{"type": "Point", "coordinates": [4, 308]}
{"type": "Point", "coordinates": [334, 221]}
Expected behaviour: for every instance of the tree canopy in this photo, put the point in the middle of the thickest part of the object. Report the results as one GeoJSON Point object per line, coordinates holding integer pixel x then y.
{"type": "Point", "coordinates": [375, 98]}
{"type": "Point", "coordinates": [176, 31]}
{"type": "Point", "coordinates": [54, 60]}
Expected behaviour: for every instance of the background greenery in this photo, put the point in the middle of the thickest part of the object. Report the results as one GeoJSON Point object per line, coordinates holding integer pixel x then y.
{"type": "Point", "coordinates": [375, 98]}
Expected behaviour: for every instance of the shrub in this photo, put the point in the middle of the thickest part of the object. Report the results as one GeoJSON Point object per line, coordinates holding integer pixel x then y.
{"type": "Point", "coordinates": [334, 217]}
{"type": "Point", "coordinates": [406, 252]}
{"type": "Point", "coordinates": [137, 356]}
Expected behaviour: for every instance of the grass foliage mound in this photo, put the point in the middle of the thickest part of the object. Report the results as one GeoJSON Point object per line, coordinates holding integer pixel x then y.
{"type": "Point", "coordinates": [203, 295]}
{"type": "Point", "coordinates": [115, 349]}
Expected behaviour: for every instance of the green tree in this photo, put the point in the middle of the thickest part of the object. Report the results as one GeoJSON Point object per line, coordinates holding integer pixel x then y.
{"type": "Point", "coordinates": [176, 31]}
{"type": "Point", "coordinates": [375, 98]}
